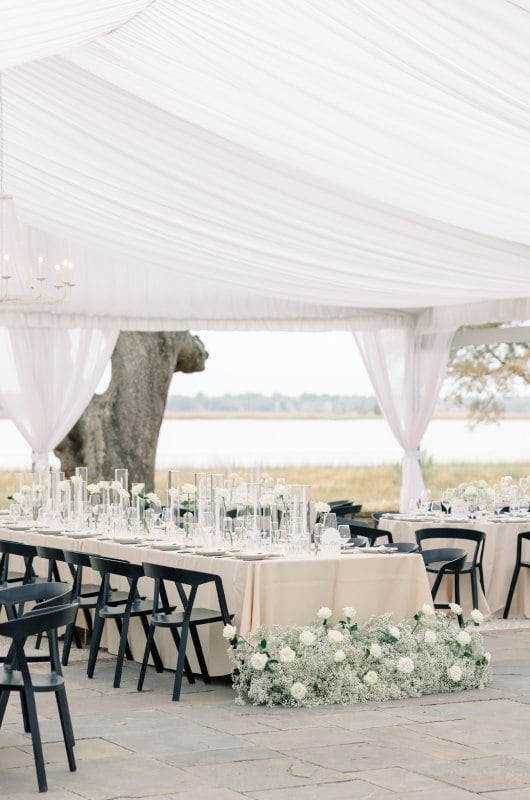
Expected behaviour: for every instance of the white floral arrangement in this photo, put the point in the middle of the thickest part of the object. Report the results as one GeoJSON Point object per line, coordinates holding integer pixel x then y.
{"type": "Point", "coordinates": [319, 664]}
{"type": "Point", "coordinates": [474, 491]}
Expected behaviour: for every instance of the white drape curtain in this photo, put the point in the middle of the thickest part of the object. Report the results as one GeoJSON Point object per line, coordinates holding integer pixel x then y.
{"type": "Point", "coordinates": [406, 368]}
{"type": "Point", "coordinates": [48, 377]}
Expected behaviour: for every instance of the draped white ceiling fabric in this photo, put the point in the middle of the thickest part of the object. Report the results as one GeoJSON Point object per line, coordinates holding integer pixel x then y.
{"type": "Point", "coordinates": [295, 164]}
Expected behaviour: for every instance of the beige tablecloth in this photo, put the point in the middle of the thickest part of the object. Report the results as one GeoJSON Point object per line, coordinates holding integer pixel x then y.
{"type": "Point", "coordinates": [499, 561]}
{"type": "Point", "coordinates": [273, 592]}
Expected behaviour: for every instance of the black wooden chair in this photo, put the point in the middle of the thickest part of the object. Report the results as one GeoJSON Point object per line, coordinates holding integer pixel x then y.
{"type": "Point", "coordinates": [445, 561]}
{"type": "Point", "coordinates": [26, 551]}
{"type": "Point", "coordinates": [358, 528]}
{"type": "Point", "coordinates": [473, 565]}
{"type": "Point", "coordinates": [121, 613]}
{"type": "Point", "coordinates": [15, 676]}
{"type": "Point", "coordinates": [344, 508]}
{"type": "Point", "coordinates": [85, 595]}
{"type": "Point", "coordinates": [15, 599]}
{"type": "Point", "coordinates": [521, 537]}
{"type": "Point", "coordinates": [185, 621]}
{"type": "Point", "coordinates": [405, 547]}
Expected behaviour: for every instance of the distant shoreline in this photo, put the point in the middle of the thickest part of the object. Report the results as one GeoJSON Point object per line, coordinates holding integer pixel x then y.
{"type": "Point", "coordinates": [202, 414]}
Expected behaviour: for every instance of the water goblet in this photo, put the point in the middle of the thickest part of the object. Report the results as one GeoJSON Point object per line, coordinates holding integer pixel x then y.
{"type": "Point", "coordinates": [329, 520]}
{"type": "Point", "coordinates": [345, 535]}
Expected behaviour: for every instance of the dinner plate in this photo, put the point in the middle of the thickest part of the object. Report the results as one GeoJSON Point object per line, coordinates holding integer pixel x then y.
{"type": "Point", "coordinates": [80, 534]}
{"type": "Point", "coordinates": [126, 540]}
{"type": "Point", "coordinates": [162, 546]}
{"type": "Point", "coordinates": [217, 551]}
{"type": "Point", "coordinates": [52, 531]}
{"type": "Point", "coordinates": [15, 527]}
{"type": "Point", "coordinates": [380, 550]}
{"type": "Point", "coordinates": [251, 556]}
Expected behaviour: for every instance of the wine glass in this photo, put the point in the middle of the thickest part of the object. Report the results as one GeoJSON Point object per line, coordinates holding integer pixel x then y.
{"type": "Point", "coordinates": [425, 500]}
{"type": "Point", "coordinates": [345, 535]}
{"type": "Point", "coordinates": [329, 520]}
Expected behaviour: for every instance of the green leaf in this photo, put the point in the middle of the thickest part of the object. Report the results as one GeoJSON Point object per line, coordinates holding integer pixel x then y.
{"type": "Point", "coordinates": [263, 644]}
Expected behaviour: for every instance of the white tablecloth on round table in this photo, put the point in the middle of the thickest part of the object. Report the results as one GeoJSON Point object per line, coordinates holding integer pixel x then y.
{"type": "Point", "coordinates": [499, 560]}
{"type": "Point", "coordinates": [279, 591]}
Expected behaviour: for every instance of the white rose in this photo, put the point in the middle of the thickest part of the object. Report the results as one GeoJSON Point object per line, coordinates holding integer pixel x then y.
{"type": "Point", "coordinates": [266, 500]}
{"type": "Point", "coordinates": [455, 673]}
{"type": "Point", "coordinates": [393, 631]}
{"type": "Point", "coordinates": [287, 655]}
{"type": "Point", "coordinates": [280, 490]}
{"type": "Point", "coordinates": [104, 485]}
{"type": "Point", "coordinates": [92, 488]}
{"type": "Point", "coordinates": [116, 485]}
{"type": "Point", "coordinates": [173, 492]}
{"type": "Point", "coordinates": [123, 493]}
{"type": "Point", "coordinates": [463, 638]}
{"type": "Point", "coordinates": [322, 508]}
{"type": "Point", "coordinates": [221, 493]}
{"type": "Point", "coordinates": [38, 488]}
{"type": "Point", "coordinates": [137, 488]}
{"type": "Point", "coordinates": [349, 612]}
{"type": "Point", "coordinates": [455, 608]}
{"type": "Point", "coordinates": [427, 610]}
{"type": "Point", "coordinates": [335, 637]}
{"type": "Point", "coordinates": [477, 616]}
{"type": "Point", "coordinates": [258, 661]}
{"type": "Point", "coordinates": [25, 489]}
{"type": "Point", "coordinates": [76, 480]}
{"type": "Point", "coordinates": [18, 497]}
{"type": "Point", "coordinates": [324, 612]}
{"type": "Point", "coordinates": [188, 488]}
{"type": "Point", "coordinates": [64, 485]}
{"type": "Point", "coordinates": [470, 491]}
{"type": "Point", "coordinates": [306, 638]}
{"type": "Point", "coordinates": [406, 665]}
{"type": "Point", "coordinates": [487, 656]}
{"type": "Point", "coordinates": [298, 691]}
{"type": "Point", "coordinates": [153, 498]}
{"type": "Point", "coordinates": [338, 656]}
{"type": "Point", "coordinates": [375, 650]}
{"type": "Point", "coordinates": [370, 678]}
{"type": "Point", "coordinates": [229, 631]}
{"type": "Point", "coordinates": [430, 637]}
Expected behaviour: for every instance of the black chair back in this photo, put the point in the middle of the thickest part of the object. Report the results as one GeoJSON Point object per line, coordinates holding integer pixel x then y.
{"type": "Point", "coordinates": [27, 551]}
{"type": "Point", "coordinates": [16, 677]}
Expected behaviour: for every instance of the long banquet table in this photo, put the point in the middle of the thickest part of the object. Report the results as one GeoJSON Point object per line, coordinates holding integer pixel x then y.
{"type": "Point", "coordinates": [276, 591]}
{"type": "Point", "coordinates": [498, 563]}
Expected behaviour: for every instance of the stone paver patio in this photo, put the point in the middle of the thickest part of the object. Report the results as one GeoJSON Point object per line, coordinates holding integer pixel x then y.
{"type": "Point", "coordinates": [444, 747]}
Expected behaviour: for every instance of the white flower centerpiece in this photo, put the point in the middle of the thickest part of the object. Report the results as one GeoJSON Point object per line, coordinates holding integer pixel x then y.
{"type": "Point", "coordinates": [476, 494]}
{"type": "Point", "coordinates": [346, 663]}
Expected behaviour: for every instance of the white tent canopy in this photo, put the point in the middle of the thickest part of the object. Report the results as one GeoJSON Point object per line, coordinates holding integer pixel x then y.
{"type": "Point", "coordinates": [294, 164]}
{"type": "Point", "coordinates": [288, 164]}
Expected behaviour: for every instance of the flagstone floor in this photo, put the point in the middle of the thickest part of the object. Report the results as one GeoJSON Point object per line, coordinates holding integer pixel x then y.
{"type": "Point", "coordinates": [129, 745]}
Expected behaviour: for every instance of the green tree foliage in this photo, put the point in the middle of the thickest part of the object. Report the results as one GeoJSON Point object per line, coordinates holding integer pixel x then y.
{"type": "Point", "coordinates": [479, 377]}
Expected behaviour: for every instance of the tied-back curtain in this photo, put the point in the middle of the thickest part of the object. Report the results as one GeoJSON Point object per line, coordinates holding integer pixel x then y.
{"type": "Point", "coordinates": [47, 378]}
{"type": "Point", "coordinates": [406, 368]}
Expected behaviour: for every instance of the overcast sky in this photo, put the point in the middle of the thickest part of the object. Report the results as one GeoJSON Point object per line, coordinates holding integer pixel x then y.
{"type": "Point", "coordinates": [268, 362]}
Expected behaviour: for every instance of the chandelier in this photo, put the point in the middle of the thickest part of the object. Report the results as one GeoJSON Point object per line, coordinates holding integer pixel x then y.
{"type": "Point", "coordinates": [23, 283]}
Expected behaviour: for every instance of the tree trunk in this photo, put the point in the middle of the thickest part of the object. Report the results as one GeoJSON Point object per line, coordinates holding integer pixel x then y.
{"type": "Point", "coordinates": [120, 428]}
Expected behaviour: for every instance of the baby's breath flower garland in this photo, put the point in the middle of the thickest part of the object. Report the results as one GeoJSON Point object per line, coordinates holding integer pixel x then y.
{"type": "Point", "coordinates": [345, 663]}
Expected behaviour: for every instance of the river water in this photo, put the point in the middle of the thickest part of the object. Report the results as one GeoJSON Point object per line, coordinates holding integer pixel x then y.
{"type": "Point", "coordinates": [227, 442]}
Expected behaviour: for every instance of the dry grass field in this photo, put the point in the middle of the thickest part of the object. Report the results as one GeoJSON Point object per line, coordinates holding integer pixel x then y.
{"type": "Point", "coordinates": [377, 488]}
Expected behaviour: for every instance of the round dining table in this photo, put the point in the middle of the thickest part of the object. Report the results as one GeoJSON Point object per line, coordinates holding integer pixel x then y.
{"type": "Point", "coordinates": [498, 562]}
